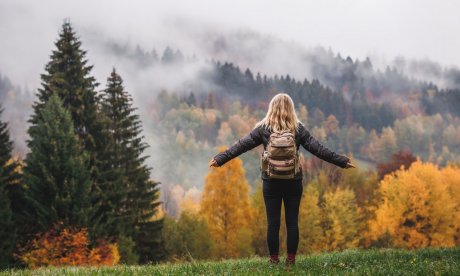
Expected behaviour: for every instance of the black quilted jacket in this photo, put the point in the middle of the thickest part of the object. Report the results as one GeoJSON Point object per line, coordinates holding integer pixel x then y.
{"type": "Point", "coordinates": [260, 135]}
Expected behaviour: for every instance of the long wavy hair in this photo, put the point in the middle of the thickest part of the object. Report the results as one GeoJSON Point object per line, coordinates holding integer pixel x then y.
{"type": "Point", "coordinates": [281, 115]}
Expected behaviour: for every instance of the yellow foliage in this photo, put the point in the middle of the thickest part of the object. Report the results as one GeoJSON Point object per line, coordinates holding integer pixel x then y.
{"type": "Point", "coordinates": [341, 216]}
{"type": "Point", "coordinates": [19, 164]}
{"type": "Point", "coordinates": [191, 201]}
{"type": "Point", "coordinates": [419, 207]}
{"type": "Point", "coordinates": [259, 223]}
{"type": "Point", "coordinates": [226, 208]}
{"type": "Point", "coordinates": [310, 218]}
{"type": "Point", "coordinates": [160, 213]}
{"type": "Point", "coordinates": [104, 254]}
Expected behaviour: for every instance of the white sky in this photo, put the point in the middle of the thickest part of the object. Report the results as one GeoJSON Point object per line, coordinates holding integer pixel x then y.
{"type": "Point", "coordinates": [421, 29]}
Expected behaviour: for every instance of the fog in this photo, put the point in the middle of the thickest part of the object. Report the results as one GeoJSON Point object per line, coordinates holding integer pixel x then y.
{"type": "Point", "coordinates": [380, 29]}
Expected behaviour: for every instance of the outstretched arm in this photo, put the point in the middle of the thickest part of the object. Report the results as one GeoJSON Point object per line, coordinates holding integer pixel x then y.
{"type": "Point", "coordinates": [316, 148]}
{"type": "Point", "coordinates": [248, 142]}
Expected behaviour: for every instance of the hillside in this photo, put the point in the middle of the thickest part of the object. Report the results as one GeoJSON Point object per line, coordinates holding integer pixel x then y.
{"type": "Point", "coordinates": [350, 262]}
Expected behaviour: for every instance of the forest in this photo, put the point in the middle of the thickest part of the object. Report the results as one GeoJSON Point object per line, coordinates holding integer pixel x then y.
{"type": "Point", "coordinates": [92, 174]}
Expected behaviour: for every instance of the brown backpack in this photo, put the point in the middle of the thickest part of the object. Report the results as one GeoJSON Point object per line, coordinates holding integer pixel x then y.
{"type": "Point", "coordinates": [280, 160]}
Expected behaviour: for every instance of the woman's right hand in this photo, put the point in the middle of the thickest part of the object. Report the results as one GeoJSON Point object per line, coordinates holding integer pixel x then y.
{"type": "Point", "coordinates": [213, 163]}
{"type": "Point", "coordinates": [350, 165]}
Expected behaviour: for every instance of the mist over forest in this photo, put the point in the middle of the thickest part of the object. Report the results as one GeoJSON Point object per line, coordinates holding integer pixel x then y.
{"type": "Point", "coordinates": [239, 72]}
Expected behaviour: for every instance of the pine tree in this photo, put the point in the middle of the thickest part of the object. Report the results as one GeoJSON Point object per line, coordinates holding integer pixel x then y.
{"type": "Point", "coordinates": [68, 76]}
{"type": "Point", "coordinates": [8, 177]}
{"type": "Point", "coordinates": [57, 180]}
{"type": "Point", "coordinates": [132, 194]}
{"type": "Point", "coordinates": [7, 229]}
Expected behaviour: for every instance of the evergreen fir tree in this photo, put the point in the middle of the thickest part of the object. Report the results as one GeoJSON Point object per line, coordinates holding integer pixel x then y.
{"type": "Point", "coordinates": [8, 177]}
{"type": "Point", "coordinates": [7, 229]}
{"type": "Point", "coordinates": [8, 173]}
{"type": "Point", "coordinates": [57, 180]}
{"type": "Point", "coordinates": [68, 76]}
{"type": "Point", "coordinates": [131, 192]}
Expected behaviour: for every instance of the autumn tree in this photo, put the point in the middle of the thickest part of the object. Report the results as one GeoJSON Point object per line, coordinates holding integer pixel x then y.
{"type": "Point", "coordinates": [226, 208]}
{"type": "Point", "coordinates": [259, 223]}
{"type": "Point", "coordinates": [380, 148]}
{"type": "Point", "coordinates": [418, 207]}
{"type": "Point", "coordinates": [310, 221]}
{"type": "Point", "coordinates": [387, 144]}
{"type": "Point", "coordinates": [331, 125]}
{"type": "Point", "coordinates": [452, 177]}
{"type": "Point", "coordinates": [341, 219]}
{"type": "Point", "coordinates": [363, 183]}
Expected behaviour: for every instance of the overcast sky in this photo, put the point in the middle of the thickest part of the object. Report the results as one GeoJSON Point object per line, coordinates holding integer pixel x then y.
{"type": "Point", "coordinates": [418, 29]}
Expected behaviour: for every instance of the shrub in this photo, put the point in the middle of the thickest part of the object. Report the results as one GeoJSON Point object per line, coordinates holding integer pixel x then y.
{"type": "Point", "coordinates": [67, 246]}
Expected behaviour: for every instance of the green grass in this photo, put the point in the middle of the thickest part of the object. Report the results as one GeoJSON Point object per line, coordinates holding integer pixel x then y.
{"type": "Point", "coordinates": [351, 262]}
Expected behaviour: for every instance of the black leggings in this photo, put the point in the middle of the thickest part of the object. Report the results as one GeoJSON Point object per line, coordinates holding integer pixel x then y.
{"type": "Point", "coordinates": [290, 192]}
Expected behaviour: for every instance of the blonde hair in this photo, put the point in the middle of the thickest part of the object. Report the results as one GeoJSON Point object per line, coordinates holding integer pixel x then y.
{"type": "Point", "coordinates": [281, 115]}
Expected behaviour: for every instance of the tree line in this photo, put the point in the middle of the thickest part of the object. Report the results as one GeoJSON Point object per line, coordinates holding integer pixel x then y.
{"type": "Point", "coordinates": [190, 128]}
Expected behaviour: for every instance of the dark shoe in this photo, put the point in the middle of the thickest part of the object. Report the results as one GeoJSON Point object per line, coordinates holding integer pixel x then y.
{"type": "Point", "coordinates": [274, 259]}
{"type": "Point", "coordinates": [290, 260]}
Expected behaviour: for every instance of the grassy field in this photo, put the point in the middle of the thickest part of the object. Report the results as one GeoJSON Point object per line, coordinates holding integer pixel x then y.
{"type": "Point", "coordinates": [350, 262]}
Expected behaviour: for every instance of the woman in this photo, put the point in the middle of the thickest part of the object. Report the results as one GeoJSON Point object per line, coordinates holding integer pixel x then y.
{"type": "Point", "coordinates": [281, 117]}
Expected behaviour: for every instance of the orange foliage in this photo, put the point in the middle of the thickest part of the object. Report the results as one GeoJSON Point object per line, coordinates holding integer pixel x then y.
{"type": "Point", "coordinates": [420, 207]}
{"type": "Point", "coordinates": [104, 254]}
{"type": "Point", "coordinates": [67, 247]}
